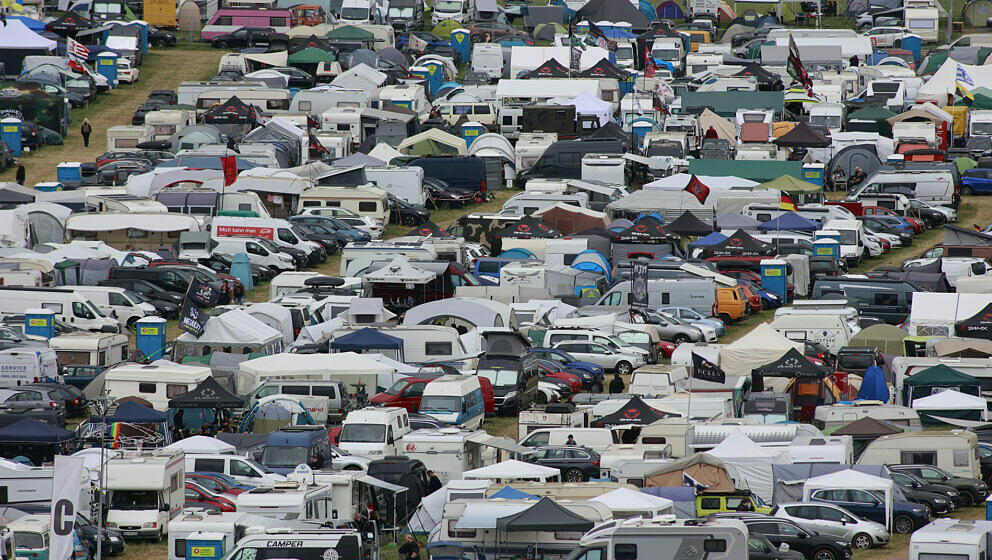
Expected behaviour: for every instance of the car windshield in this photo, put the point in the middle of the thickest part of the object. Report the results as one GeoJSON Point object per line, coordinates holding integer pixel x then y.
{"type": "Point", "coordinates": [440, 404]}
{"type": "Point", "coordinates": [355, 14]}
{"type": "Point", "coordinates": [136, 296]}
{"type": "Point", "coordinates": [363, 433]}
{"type": "Point", "coordinates": [449, 6]}
{"type": "Point", "coordinates": [284, 456]}
{"type": "Point", "coordinates": [401, 12]}
{"type": "Point", "coordinates": [500, 377]}
{"type": "Point", "coordinates": [29, 540]}
{"type": "Point", "coordinates": [134, 499]}
{"type": "Point", "coordinates": [397, 388]}
{"type": "Point", "coordinates": [848, 237]}
{"type": "Point", "coordinates": [981, 129]}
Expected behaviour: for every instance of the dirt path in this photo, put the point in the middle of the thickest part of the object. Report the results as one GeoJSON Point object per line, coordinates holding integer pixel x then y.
{"type": "Point", "coordinates": [162, 69]}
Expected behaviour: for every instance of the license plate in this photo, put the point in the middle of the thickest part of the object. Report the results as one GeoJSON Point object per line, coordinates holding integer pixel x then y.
{"type": "Point", "coordinates": [130, 533]}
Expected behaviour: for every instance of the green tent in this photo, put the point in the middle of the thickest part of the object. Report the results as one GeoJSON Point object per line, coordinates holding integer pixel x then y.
{"type": "Point", "coordinates": [760, 171]}
{"type": "Point", "coordinates": [887, 338]}
{"type": "Point", "coordinates": [931, 380]}
{"type": "Point", "coordinates": [444, 29]}
{"type": "Point", "coordinates": [873, 113]}
{"type": "Point", "coordinates": [311, 55]}
{"type": "Point", "coordinates": [981, 98]}
{"type": "Point", "coordinates": [933, 62]}
{"type": "Point", "coordinates": [351, 33]}
{"type": "Point", "coordinates": [965, 163]}
{"type": "Point", "coordinates": [791, 185]}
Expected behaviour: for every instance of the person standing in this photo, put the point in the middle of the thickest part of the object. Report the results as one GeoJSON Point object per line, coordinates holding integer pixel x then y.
{"type": "Point", "coordinates": [21, 172]}
{"type": "Point", "coordinates": [239, 291]}
{"type": "Point", "coordinates": [616, 384]}
{"type": "Point", "coordinates": [433, 483]}
{"type": "Point", "coordinates": [86, 130]}
{"type": "Point", "coordinates": [225, 294]}
{"type": "Point", "coordinates": [410, 549]}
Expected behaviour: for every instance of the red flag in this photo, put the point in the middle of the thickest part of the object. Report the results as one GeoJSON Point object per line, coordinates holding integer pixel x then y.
{"type": "Point", "coordinates": [697, 189]}
{"type": "Point", "coordinates": [230, 166]}
{"type": "Point", "coordinates": [650, 66]}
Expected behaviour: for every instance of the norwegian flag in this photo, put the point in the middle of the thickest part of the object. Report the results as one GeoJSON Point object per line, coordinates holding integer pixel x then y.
{"type": "Point", "coordinates": [76, 49]}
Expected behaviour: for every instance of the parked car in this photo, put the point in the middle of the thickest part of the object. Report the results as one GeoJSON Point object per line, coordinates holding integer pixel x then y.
{"type": "Point", "coordinates": [576, 463]}
{"type": "Point", "coordinates": [779, 531]}
{"type": "Point", "coordinates": [555, 370]}
{"type": "Point", "coordinates": [113, 540]}
{"type": "Point", "coordinates": [16, 399]}
{"type": "Point", "coordinates": [906, 517]}
{"type": "Point", "coordinates": [973, 490]}
{"type": "Point", "coordinates": [485, 32]}
{"type": "Point", "coordinates": [829, 519]}
{"type": "Point", "coordinates": [402, 212]}
{"type": "Point", "coordinates": [693, 317]}
{"type": "Point", "coordinates": [73, 399]}
{"type": "Point", "coordinates": [248, 37]}
{"type": "Point", "coordinates": [160, 37]}
{"type": "Point", "coordinates": [572, 363]}
{"type": "Point", "coordinates": [218, 483]}
{"type": "Point", "coordinates": [613, 360]}
{"type": "Point", "coordinates": [760, 548]}
{"type": "Point", "coordinates": [938, 498]}
{"type": "Point", "coordinates": [198, 496]}
{"type": "Point", "coordinates": [297, 78]}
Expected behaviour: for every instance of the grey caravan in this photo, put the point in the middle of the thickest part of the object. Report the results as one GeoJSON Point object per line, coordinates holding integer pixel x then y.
{"type": "Point", "coordinates": [931, 185]}
{"type": "Point", "coordinates": [886, 300]}
{"type": "Point", "coordinates": [695, 293]}
{"type": "Point", "coordinates": [664, 538]}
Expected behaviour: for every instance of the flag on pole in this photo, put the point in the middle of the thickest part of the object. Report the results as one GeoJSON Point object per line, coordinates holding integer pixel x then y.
{"type": "Point", "coordinates": [16, 5]}
{"type": "Point", "coordinates": [650, 66]}
{"type": "Point", "coordinates": [697, 189]}
{"type": "Point", "coordinates": [706, 370]}
{"type": "Point", "coordinates": [76, 49]}
{"type": "Point", "coordinates": [65, 505]}
{"type": "Point", "coordinates": [786, 203]}
{"type": "Point", "coordinates": [230, 166]}
{"type": "Point", "coordinates": [417, 44]}
{"type": "Point", "coordinates": [202, 293]}
{"type": "Point", "coordinates": [692, 482]}
{"type": "Point", "coordinates": [795, 67]}
{"type": "Point", "coordinates": [963, 77]}
{"type": "Point", "coordinates": [599, 38]}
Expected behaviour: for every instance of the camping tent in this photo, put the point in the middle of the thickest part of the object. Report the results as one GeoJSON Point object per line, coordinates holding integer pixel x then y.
{"type": "Point", "coordinates": [568, 218]}
{"type": "Point", "coordinates": [208, 394]}
{"type": "Point", "coordinates": [635, 413]}
{"type": "Point", "coordinates": [936, 379]}
{"type": "Point", "coordinates": [752, 462]}
{"type": "Point", "coordinates": [433, 141]}
{"type": "Point", "coordinates": [513, 470]}
{"type": "Point", "coordinates": [544, 516]}
{"type": "Point", "coordinates": [887, 338]}
{"type": "Point", "coordinates": [761, 346]}
{"type": "Point", "coordinates": [705, 469]}
{"type": "Point", "coordinates": [842, 480]}
{"type": "Point", "coordinates": [624, 502]}
{"type": "Point", "coordinates": [867, 430]}
{"type": "Point", "coordinates": [950, 404]}
{"type": "Point", "coordinates": [201, 445]}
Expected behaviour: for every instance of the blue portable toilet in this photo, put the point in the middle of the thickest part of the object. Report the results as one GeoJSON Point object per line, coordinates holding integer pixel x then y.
{"type": "Point", "coordinates": [472, 130]}
{"type": "Point", "coordinates": [988, 508]}
{"type": "Point", "coordinates": [641, 126]}
{"type": "Point", "coordinates": [10, 132]}
{"type": "Point", "coordinates": [142, 34]}
{"type": "Point", "coordinates": [461, 42]}
{"type": "Point", "coordinates": [70, 173]}
{"type": "Point", "coordinates": [202, 545]}
{"type": "Point", "coordinates": [436, 76]}
{"type": "Point", "coordinates": [39, 322]}
{"type": "Point", "coordinates": [49, 186]}
{"type": "Point", "coordinates": [150, 338]}
{"type": "Point", "coordinates": [106, 66]}
{"type": "Point", "coordinates": [826, 247]}
{"type": "Point", "coordinates": [240, 268]}
{"type": "Point", "coordinates": [774, 277]}
{"type": "Point", "coordinates": [914, 45]}
{"type": "Point", "coordinates": [430, 74]}
{"type": "Point", "coordinates": [813, 173]}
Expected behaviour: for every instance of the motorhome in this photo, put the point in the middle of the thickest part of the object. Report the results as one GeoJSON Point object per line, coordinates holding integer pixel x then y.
{"type": "Point", "coordinates": [832, 416]}
{"type": "Point", "coordinates": [344, 119]}
{"type": "Point", "coordinates": [929, 185]}
{"type": "Point", "coordinates": [288, 500]}
{"type": "Point", "coordinates": [32, 486]}
{"type": "Point", "coordinates": [166, 122]}
{"type": "Point", "coordinates": [554, 415]}
{"type": "Point", "coordinates": [130, 232]}
{"type": "Point", "coordinates": [364, 200]}
{"type": "Point", "coordinates": [448, 452]}
{"type": "Point", "coordinates": [70, 307]}
{"type": "Point", "coordinates": [153, 383]}
{"type": "Point", "coordinates": [832, 331]}
{"type": "Point", "coordinates": [232, 525]}
{"type": "Point", "coordinates": [663, 538]}
{"type": "Point", "coordinates": [457, 10]}
{"type": "Point", "coordinates": [375, 432]}
{"type": "Point", "coordinates": [963, 539]}
{"type": "Point", "coordinates": [344, 544]}
{"type": "Point", "coordinates": [954, 451]}
{"type": "Point", "coordinates": [228, 20]}
{"type": "Point", "coordinates": [103, 350]}
{"type": "Point", "coordinates": [455, 399]}
{"type": "Point", "coordinates": [146, 490]}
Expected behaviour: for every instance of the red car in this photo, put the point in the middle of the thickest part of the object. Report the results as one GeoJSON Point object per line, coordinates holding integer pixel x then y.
{"type": "Point", "coordinates": [552, 369]}
{"type": "Point", "coordinates": [198, 496]}
{"type": "Point", "coordinates": [216, 484]}
{"type": "Point", "coordinates": [667, 348]}
{"type": "Point", "coordinates": [753, 298]}
{"type": "Point", "coordinates": [405, 393]}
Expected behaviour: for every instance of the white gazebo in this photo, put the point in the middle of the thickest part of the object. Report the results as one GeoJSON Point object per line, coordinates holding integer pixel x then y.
{"type": "Point", "coordinates": [513, 470]}
{"type": "Point", "coordinates": [846, 479]}
{"type": "Point", "coordinates": [624, 502]}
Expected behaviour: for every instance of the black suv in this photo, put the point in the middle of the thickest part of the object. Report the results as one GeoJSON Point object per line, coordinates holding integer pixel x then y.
{"type": "Point", "coordinates": [250, 37]}
{"type": "Point", "coordinates": [577, 464]}
{"type": "Point", "coordinates": [812, 545]}
{"type": "Point", "coordinates": [973, 490]}
{"type": "Point", "coordinates": [938, 498]}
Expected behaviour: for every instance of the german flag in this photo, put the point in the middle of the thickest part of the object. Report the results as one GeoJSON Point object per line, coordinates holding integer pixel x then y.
{"type": "Point", "coordinates": [785, 203]}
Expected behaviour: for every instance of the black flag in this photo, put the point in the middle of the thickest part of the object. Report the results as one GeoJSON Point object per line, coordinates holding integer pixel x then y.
{"type": "Point", "coordinates": [706, 370]}
{"type": "Point", "coordinates": [192, 319]}
{"type": "Point", "coordinates": [202, 294]}
{"type": "Point", "coordinates": [232, 145]}
{"type": "Point", "coordinates": [639, 285]}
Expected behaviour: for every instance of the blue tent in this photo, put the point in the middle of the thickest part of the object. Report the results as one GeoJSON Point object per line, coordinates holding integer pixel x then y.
{"type": "Point", "coordinates": [648, 10]}
{"type": "Point", "coordinates": [683, 498]}
{"type": "Point", "coordinates": [790, 221]}
{"type": "Point", "coordinates": [592, 260]}
{"type": "Point", "coordinates": [711, 239]}
{"type": "Point", "coordinates": [510, 493]}
{"type": "Point", "coordinates": [32, 430]}
{"type": "Point", "coordinates": [518, 253]}
{"type": "Point", "coordinates": [670, 10]}
{"type": "Point", "coordinates": [366, 339]}
{"type": "Point", "coordinates": [30, 23]}
{"type": "Point", "coordinates": [873, 385]}
{"type": "Point", "coordinates": [134, 413]}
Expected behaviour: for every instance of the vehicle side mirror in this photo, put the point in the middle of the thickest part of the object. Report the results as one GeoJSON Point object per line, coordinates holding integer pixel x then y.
{"type": "Point", "coordinates": [784, 547]}
{"type": "Point", "coordinates": [165, 507]}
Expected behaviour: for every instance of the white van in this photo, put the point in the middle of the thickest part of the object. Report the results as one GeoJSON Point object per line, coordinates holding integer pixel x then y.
{"type": "Point", "coordinates": [275, 230]}
{"type": "Point", "coordinates": [954, 451]}
{"type": "Point", "coordinates": [69, 307]}
{"type": "Point", "coordinates": [374, 431]}
{"type": "Point", "coordinates": [146, 489]}
{"type": "Point", "coordinates": [257, 253]}
{"type": "Point", "coordinates": [458, 10]}
{"type": "Point", "coordinates": [154, 383]}
{"type": "Point", "coordinates": [656, 380]}
{"type": "Point", "coordinates": [597, 439]}
{"type": "Point", "coordinates": [455, 399]}
{"type": "Point", "coordinates": [123, 305]}
{"type": "Point", "coordinates": [935, 186]}
{"type": "Point", "coordinates": [364, 200]}
{"type": "Point", "coordinates": [488, 58]}
{"type": "Point", "coordinates": [241, 469]}
{"type": "Point", "coordinates": [850, 234]}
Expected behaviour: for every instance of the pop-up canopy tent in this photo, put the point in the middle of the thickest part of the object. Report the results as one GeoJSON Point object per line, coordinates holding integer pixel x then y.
{"type": "Point", "coordinates": [739, 245]}
{"type": "Point", "coordinates": [843, 480]}
{"type": "Point", "coordinates": [208, 394]}
{"type": "Point", "coordinates": [635, 413]}
{"type": "Point", "coordinates": [513, 470]}
{"type": "Point", "coordinates": [34, 439]}
{"type": "Point", "coordinates": [887, 338]}
{"type": "Point", "coordinates": [950, 405]}
{"type": "Point", "coordinates": [935, 379]}
{"type": "Point", "coordinates": [544, 516]}
{"type": "Point", "coordinates": [368, 341]}
{"type": "Point", "coordinates": [202, 445]}
{"type": "Point", "coordinates": [689, 224]}
{"type": "Point", "coordinates": [624, 502]}
{"type": "Point", "coordinates": [763, 345]}
{"type": "Point", "coordinates": [702, 468]}
{"type": "Point", "coordinates": [752, 463]}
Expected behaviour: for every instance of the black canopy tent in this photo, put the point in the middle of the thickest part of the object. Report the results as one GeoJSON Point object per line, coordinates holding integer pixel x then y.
{"type": "Point", "coordinates": [806, 387]}
{"type": "Point", "coordinates": [635, 412]}
{"type": "Point", "coordinates": [34, 439]}
{"type": "Point", "coordinates": [544, 516]}
{"type": "Point", "coordinates": [429, 229]}
{"type": "Point", "coordinates": [802, 136]}
{"type": "Point", "coordinates": [644, 231]}
{"type": "Point", "coordinates": [978, 325]}
{"type": "Point", "coordinates": [767, 81]}
{"type": "Point", "coordinates": [208, 394]}
{"type": "Point", "coordinates": [739, 245]}
{"type": "Point", "coordinates": [689, 224]}
{"type": "Point", "coordinates": [527, 227]}
{"type": "Point", "coordinates": [550, 69]}
{"type": "Point", "coordinates": [604, 69]}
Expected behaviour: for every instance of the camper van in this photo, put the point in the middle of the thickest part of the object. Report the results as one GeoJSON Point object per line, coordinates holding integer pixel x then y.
{"type": "Point", "coordinates": [597, 439]}
{"type": "Point", "coordinates": [832, 331]}
{"type": "Point", "coordinates": [964, 539]}
{"type": "Point", "coordinates": [455, 399]}
{"type": "Point", "coordinates": [336, 544]}
{"type": "Point", "coordinates": [364, 200]}
{"type": "Point", "coordinates": [696, 294]}
{"type": "Point", "coordinates": [833, 416]}
{"type": "Point", "coordinates": [375, 432]}
{"type": "Point", "coordinates": [81, 348]}
{"type": "Point", "coordinates": [935, 185]}
{"type": "Point", "coordinates": [230, 20]}
{"type": "Point", "coordinates": [448, 452]}
{"type": "Point", "coordinates": [69, 307]}
{"type": "Point", "coordinates": [153, 383]}
{"type": "Point", "coordinates": [146, 490]}
{"type": "Point", "coordinates": [955, 451]}
{"type": "Point", "coordinates": [662, 538]}
{"type": "Point", "coordinates": [123, 305]}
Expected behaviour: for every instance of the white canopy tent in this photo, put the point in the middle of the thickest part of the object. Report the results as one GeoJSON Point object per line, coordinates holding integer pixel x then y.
{"type": "Point", "coordinates": [752, 462]}
{"type": "Point", "coordinates": [400, 271]}
{"type": "Point", "coordinates": [587, 104]}
{"type": "Point", "coordinates": [624, 502]}
{"type": "Point", "coordinates": [935, 313]}
{"type": "Point", "coordinates": [843, 480]}
{"type": "Point", "coordinates": [203, 445]}
{"type": "Point", "coordinates": [951, 400]}
{"type": "Point", "coordinates": [513, 470]}
{"type": "Point", "coordinates": [761, 346]}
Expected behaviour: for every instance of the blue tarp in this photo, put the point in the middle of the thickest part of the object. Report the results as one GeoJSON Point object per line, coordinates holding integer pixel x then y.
{"type": "Point", "coordinates": [789, 222]}
{"type": "Point", "coordinates": [683, 498]}
{"type": "Point", "coordinates": [134, 413]}
{"type": "Point", "coordinates": [711, 239]}
{"type": "Point", "coordinates": [366, 339]}
{"type": "Point", "coordinates": [30, 23]}
{"type": "Point", "coordinates": [873, 386]}
{"type": "Point", "coordinates": [510, 493]}
{"type": "Point", "coordinates": [31, 430]}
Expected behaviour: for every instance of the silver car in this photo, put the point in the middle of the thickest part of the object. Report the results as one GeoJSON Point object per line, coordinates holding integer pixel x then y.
{"type": "Point", "coordinates": [602, 355]}
{"type": "Point", "coordinates": [834, 520]}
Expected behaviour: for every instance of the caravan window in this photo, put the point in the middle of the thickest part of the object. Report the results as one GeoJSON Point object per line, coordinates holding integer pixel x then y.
{"type": "Point", "coordinates": [180, 548]}
{"type": "Point", "coordinates": [918, 457]}
{"type": "Point", "coordinates": [209, 465]}
{"type": "Point", "coordinates": [173, 390]}
{"type": "Point", "coordinates": [961, 457]}
{"type": "Point", "coordinates": [437, 348]}
{"type": "Point", "coordinates": [366, 206]}
{"type": "Point", "coordinates": [146, 387]}
{"type": "Point", "coordinates": [625, 551]}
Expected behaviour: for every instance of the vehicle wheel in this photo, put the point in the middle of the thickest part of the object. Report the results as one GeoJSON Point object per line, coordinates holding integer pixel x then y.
{"type": "Point", "coordinates": [158, 538]}
{"type": "Point", "coordinates": [680, 339]}
{"type": "Point", "coordinates": [221, 44]}
{"type": "Point", "coordinates": [409, 221]}
{"type": "Point", "coordinates": [966, 190]}
{"type": "Point", "coordinates": [930, 510]}
{"type": "Point", "coordinates": [824, 554]}
{"type": "Point", "coordinates": [861, 541]}
{"type": "Point", "coordinates": [574, 475]}
{"type": "Point", "coordinates": [903, 524]}
{"type": "Point", "coordinates": [131, 322]}
{"type": "Point", "coordinates": [353, 468]}
{"type": "Point", "coordinates": [725, 318]}
{"type": "Point", "coordinates": [624, 368]}
{"type": "Point", "coordinates": [969, 499]}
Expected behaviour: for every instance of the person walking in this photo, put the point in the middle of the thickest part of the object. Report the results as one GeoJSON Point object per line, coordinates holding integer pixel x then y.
{"type": "Point", "coordinates": [410, 549]}
{"type": "Point", "coordinates": [225, 294]}
{"type": "Point", "coordinates": [616, 384]}
{"type": "Point", "coordinates": [433, 483]}
{"type": "Point", "coordinates": [86, 130]}
{"type": "Point", "coordinates": [239, 291]}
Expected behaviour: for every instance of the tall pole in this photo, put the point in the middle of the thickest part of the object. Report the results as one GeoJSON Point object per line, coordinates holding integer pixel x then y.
{"type": "Point", "coordinates": [102, 403]}
{"type": "Point", "coordinates": [950, 19]}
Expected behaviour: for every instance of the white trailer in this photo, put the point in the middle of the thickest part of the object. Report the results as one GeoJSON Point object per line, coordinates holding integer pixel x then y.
{"type": "Point", "coordinates": [449, 451]}
{"type": "Point", "coordinates": [952, 538]}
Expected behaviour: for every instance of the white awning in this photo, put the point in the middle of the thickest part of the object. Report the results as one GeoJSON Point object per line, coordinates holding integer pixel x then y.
{"type": "Point", "coordinates": [373, 481]}
{"type": "Point", "coordinates": [272, 59]}
{"type": "Point", "coordinates": [502, 443]}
